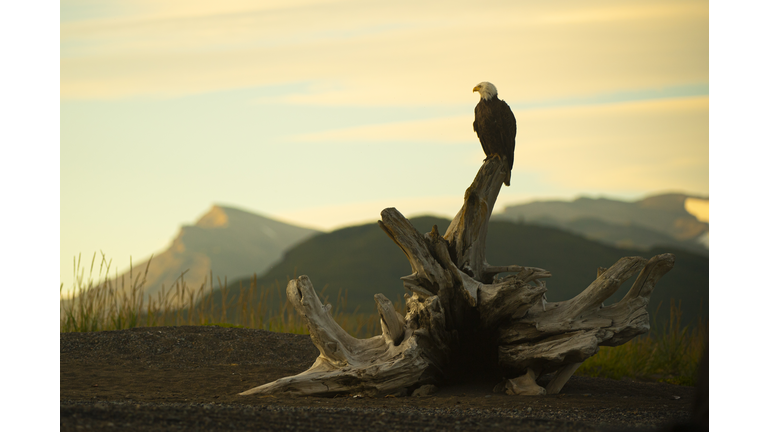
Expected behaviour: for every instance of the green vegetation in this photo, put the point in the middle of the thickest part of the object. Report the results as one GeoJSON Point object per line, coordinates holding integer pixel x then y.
{"type": "Point", "coordinates": [669, 353]}
{"type": "Point", "coordinates": [99, 304]}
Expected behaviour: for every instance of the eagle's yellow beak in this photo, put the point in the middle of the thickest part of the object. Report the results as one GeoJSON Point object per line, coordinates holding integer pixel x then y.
{"type": "Point", "coordinates": [477, 88]}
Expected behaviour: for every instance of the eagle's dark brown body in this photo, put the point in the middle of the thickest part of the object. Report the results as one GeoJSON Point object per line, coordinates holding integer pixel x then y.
{"type": "Point", "coordinates": [496, 127]}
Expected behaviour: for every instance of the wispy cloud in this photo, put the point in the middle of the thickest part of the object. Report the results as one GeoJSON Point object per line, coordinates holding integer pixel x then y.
{"type": "Point", "coordinates": [622, 12]}
{"type": "Point", "coordinates": [398, 53]}
{"type": "Point", "coordinates": [115, 11]}
{"type": "Point", "coordinates": [655, 143]}
{"type": "Point", "coordinates": [455, 129]}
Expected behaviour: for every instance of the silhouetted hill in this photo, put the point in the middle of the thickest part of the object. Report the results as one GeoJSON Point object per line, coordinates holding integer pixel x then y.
{"type": "Point", "coordinates": [660, 220]}
{"type": "Point", "coordinates": [363, 261]}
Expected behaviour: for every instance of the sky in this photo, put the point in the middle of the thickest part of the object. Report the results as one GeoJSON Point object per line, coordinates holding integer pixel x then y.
{"type": "Point", "coordinates": [323, 113]}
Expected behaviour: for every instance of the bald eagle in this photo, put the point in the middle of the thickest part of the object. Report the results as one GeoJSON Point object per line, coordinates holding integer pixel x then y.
{"type": "Point", "coordinates": [495, 125]}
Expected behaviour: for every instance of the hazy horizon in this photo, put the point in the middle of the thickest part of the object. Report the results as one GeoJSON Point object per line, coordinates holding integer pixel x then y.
{"type": "Point", "coordinates": [697, 207]}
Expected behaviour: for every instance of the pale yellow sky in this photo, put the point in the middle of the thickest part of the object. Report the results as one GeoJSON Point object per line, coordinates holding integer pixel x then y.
{"type": "Point", "coordinates": [637, 140]}
{"type": "Point", "coordinates": [385, 53]}
{"type": "Point", "coordinates": [314, 111]}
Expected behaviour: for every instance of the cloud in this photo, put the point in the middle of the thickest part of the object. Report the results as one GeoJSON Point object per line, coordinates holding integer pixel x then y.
{"type": "Point", "coordinates": [122, 11]}
{"type": "Point", "coordinates": [626, 12]}
{"type": "Point", "coordinates": [393, 54]}
{"type": "Point", "coordinates": [454, 129]}
{"type": "Point", "coordinates": [656, 144]}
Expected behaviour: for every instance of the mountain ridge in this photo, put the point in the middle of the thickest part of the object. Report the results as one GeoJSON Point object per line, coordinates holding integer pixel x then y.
{"type": "Point", "coordinates": [223, 241]}
{"type": "Point", "coordinates": [652, 221]}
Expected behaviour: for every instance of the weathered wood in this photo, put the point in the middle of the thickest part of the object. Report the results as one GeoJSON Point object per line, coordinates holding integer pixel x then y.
{"type": "Point", "coordinates": [493, 270]}
{"type": "Point", "coordinates": [580, 313]}
{"type": "Point", "coordinates": [369, 366]}
{"type": "Point", "coordinates": [506, 300]}
{"type": "Point", "coordinates": [570, 331]}
{"type": "Point", "coordinates": [457, 294]}
{"type": "Point", "coordinates": [467, 232]}
{"type": "Point", "coordinates": [392, 323]}
{"type": "Point", "coordinates": [525, 385]}
{"type": "Point", "coordinates": [561, 377]}
{"type": "Point", "coordinates": [427, 272]}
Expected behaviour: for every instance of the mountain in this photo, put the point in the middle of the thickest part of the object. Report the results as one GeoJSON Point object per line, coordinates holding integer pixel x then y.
{"type": "Point", "coordinates": [226, 241]}
{"type": "Point", "coordinates": [363, 261]}
{"type": "Point", "coordinates": [660, 220]}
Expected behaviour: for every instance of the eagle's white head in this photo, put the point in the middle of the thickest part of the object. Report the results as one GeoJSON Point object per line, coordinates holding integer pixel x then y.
{"type": "Point", "coordinates": [486, 90]}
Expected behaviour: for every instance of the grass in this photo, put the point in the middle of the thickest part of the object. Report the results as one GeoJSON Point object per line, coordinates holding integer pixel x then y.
{"type": "Point", "coordinates": [99, 302]}
{"type": "Point", "coordinates": [101, 306]}
{"type": "Point", "coordinates": [669, 353]}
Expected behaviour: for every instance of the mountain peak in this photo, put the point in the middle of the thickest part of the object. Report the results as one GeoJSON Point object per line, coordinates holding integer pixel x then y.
{"type": "Point", "coordinates": [215, 218]}
{"type": "Point", "coordinates": [225, 241]}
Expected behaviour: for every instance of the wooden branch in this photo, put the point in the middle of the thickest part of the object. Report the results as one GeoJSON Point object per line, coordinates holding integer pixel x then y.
{"type": "Point", "coordinates": [629, 315]}
{"type": "Point", "coordinates": [524, 385]}
{"type": "Point", "coordinates": [506, 301]}
{"type": "Point", "coordinates": [494, 270]}
{"type": "Point", "coordinates": [427, 272]}
{"type": "Point", "coordinates": [561, 377]}
{"type": "Point", "coordinates": [466, 233]}
{"type": "Point", "coordinates": [656, 267]}
{"type": "Point", "coordinates": [434, 273]}
{"type": "Point", "coordinates": [374, 366]}
{"type": "Point", "coordinates": [552, 353]}
{"type": "Point", "coordinates": [540, 337]}
{"type": "Point", "coordinates": [603, 287]}
{"type": "Point", "coordinates": [392, 323]}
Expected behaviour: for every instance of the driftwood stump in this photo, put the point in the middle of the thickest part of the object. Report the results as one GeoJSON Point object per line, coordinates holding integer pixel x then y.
{"type": "Point", "coordinates": [458, 300]}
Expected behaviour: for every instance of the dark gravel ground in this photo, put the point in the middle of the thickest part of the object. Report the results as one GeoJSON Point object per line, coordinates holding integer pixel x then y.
{"type": "Point", "coordinates": [187, 378]}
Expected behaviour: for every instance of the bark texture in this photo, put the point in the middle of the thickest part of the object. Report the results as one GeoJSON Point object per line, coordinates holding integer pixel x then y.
{"type": "Point", "coordinates": [456, 294]}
